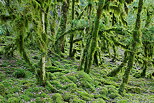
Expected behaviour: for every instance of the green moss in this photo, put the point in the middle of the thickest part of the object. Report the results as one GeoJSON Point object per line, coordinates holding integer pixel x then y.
{"type": "Point", "coordinates": [53, 69]}
{"type": "Point", "coordinates": [19, 73]}
{"type": "Point", "coordinates": [113, 95]}
{"type": "Point", "coordinates": [137, 74]}
{"type": "Point", "coordinates": [57, 98]}
{"type": "Point", "coordinates": [122, 101]}
{"type": "Point", "coordinates": [103, 91]}
{"type": "Point", "coordinates": [29, 94]}
{"type": "Point", "coordinates": [67, 96]}
{"type": "Point", "coordinates": [51, 76]}
{"type": "Point", "coordinates": [57, 84]}
{"type": "Point", "coordinates": [25, 98]}
{"type": "Point", "coordinates": [50, 87]}
{"type": "Point", "coordinates": [2, 99]}
{"type": "Point", "coordinates": [43, 100]}
{"type": "Point", "coordinates": [84, 95]}
{"type": "Point", "coordinates": [99, 100]}
{"type": "Point", "coordinates": [2, 89]}
{"type": "Point", "coordinates": [77, 100]}
{"type": "Point", "coordinates": [64, 79]}
{"type": "Point", "coordinates": [35, 57]}
{"type": "Point", "coordinates": [134, 89]}
{"type": "Point", "coordinates": [2, 76]}
{"type": "Point", "coordinates": [111, 89]}
{"type": "Point", "coordinates": [70, 86]}
{"type": "Point", "coordinates": [13, 100]}
{"type": "Point", "coordinates": [82, 80]}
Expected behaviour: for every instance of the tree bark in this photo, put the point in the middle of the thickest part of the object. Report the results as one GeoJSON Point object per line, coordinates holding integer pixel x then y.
{"type": "Point", "coordinates": [136, 40]}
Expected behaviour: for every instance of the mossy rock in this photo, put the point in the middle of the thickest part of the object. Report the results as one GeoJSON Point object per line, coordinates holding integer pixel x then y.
{"type": "Point", "coordinates": [57, 98]}
{"type": "Point", "coordinates": [50, 87]}
{"type": "Point", "coordinates": [123, 101]}
{"type": "Point", "coordinates": [111, 89]}
{"type": "Point", "coordinates": [134, 89]}
{"type": "Point", "coordinates": [137, 74]}
{"type": "Point", "coordinates": [64, 79]}
{"type": "Point", "coordinates": [85, 96]}
{"type": "Point", "coordinates": [103, 91]}
{"type": "Point", "coordinates": [57, 84]}
{"type": "Point", "coordinates": [43, 100]}
{"type": "Point", "coordinates": [77, 100]}
{"type": "Point", "coordinates": [14, 100]}
{"type": "Point", "coordinates": [20, 73]}
{"type": "Point", "coordinates": [70, 86]}
{"type": "Point", "coordinates": [2, 76]}
{"type": "Point", "coordinates": [53, 69]}
{"type": "Point", "coordinates": [99, 100]}
{"type": "Point", "coordinates": [2, 99]}
{"type": "Point", "coordinates": [82, 80]}
{"type": "Point", "coordinates": [25, 98]}
{"type": "Point", "coordinates": [113, 95]}
{"type": "Point", "coordinates": [51, 76]}
{"type": "Point", "coordinates": [2, 89]}
{"type": "Point", "coordinates": [67, 96]}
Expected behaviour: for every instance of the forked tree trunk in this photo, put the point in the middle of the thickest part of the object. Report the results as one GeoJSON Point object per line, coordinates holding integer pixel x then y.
{"type": "Point", "coordinates": [136, 40]}
{"type": "Point", "coordinates": [61, 43]}
{"type": "Point", "coordinates": [94, 39]}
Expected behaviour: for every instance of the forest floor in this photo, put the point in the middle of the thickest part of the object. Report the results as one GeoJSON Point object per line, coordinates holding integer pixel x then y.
{"type": "Point", "coordinates": [18, 85]}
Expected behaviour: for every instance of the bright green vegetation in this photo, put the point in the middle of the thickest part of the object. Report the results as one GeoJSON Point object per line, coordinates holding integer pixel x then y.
{"type": "Point", "coordinates": [76, 51]}
{"type": "Point", "coordinates": [72, 86]}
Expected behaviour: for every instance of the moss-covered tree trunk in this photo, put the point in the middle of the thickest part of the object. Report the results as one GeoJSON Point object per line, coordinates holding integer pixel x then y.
{"type": "Point", "coordinates": [43, 41]}
{"type": "Point", "coordinates": [72, 35]}
{"type": "Point", "coordinates": [117, 70]}
{"type": "Point", "coordinates": [94, 40]}
{"type": "Point", "coordinates": [87, 38]}
{"type": "Point", "coordinates": [135, 42]}
{"type": "Point", "coordinates": [59, 47]}
{"type": "Point", "coordinates": [146, 45]}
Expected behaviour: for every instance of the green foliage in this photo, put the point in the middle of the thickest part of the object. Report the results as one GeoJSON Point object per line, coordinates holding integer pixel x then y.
{"type": "Point", "coordinates": [2, 89]}
{"type": "Point", "coordinates": [84, 95]}
{"type": "Point", "coordinates": [25, 98]}
{"type": "Point", "coordinates": [99, 100]}
{"type": "Point", "coordinates": [57, 98]}
{"type": "Point", "coordinates": [2, 76]}
{"type": "Point", "coordinates": [2, 99]}
{"type": "Point", "coordinates": [13, 100]}
{"type": "Point", "coordinates": [77, 100]}
{"type": "Point", "coordinates": [134, 89]}
{"type": "Point", "coordinates": [19, 73]}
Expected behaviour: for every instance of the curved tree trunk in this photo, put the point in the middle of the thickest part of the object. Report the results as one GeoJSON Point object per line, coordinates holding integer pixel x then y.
{"type": "Point", "coordinates": [117, 70]}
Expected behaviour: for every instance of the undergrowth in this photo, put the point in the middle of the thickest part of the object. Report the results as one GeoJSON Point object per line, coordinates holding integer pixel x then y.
{"type": "Point", "coordinates": [67, 85]}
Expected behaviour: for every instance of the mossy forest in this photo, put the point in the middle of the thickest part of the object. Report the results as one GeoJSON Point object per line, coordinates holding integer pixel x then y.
{"type": "Point", "coordinates": [76, 51]}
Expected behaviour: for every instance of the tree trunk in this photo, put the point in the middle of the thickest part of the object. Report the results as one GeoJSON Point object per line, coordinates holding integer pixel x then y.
{"type": "Point", "coordinates": [117, 70]}
{"type": "Point", "coordinates": [136, 40]}
{"type": "Point", "coordinates": [61, 43]}
{"type": "Point", "coordinates": [72, 35]}
{"type": "Point", "coordinates": [94, 40]}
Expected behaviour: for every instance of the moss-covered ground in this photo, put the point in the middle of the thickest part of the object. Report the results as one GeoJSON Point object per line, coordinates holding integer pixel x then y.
{"type": "Point", "coordinates": [67, 85]}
